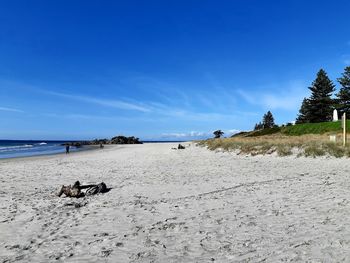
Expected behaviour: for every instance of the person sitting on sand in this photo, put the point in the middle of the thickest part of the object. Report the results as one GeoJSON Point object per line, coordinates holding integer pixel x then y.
{"type": "Point", "coordinates": [75, 190]}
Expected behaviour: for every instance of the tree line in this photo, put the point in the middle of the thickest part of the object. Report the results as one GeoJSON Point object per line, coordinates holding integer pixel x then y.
{"type": "Point", "coordinates": [321, 103]}
{"type": "Point", "coordinates": [319, 106]}
{"type": "Point", "coordinates": [268, 121]}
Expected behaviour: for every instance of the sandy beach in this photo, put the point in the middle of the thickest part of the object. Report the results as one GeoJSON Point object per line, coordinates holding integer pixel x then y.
{"type": "Point", "coordinates": [191, 205]}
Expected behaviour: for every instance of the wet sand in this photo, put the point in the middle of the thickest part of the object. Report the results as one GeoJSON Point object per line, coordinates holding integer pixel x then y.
{"type": "Point", "coordinates": [191, 205]}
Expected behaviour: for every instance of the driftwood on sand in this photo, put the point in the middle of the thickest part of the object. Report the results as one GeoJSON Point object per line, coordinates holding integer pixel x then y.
{"type": "Point", "coordinates": [76, 189]}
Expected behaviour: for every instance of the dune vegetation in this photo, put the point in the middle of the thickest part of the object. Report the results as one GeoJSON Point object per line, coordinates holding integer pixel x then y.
{"type": "Point", "coordinates": [300, 129]}
{"type": "Point", "coordinates": [310, 139]}
{"type": "Point", "coordinates": [311, 134]}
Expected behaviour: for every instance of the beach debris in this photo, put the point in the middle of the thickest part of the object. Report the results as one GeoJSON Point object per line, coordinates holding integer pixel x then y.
{"type": "Point", "coordinates": [71, 191]}
{"type": "Point", "coordinates": [76, 204]}
{"type": "Point", "coordinates": [106, 252]}
{"type": "Point", "coordinates": [96, 189]}
{"type": "Point", "coordinates": [76, 189]}
{"type": "Point", "coordinates": [180, 147]}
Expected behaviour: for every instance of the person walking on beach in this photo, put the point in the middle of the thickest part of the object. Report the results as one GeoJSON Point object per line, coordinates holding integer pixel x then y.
{"type": "Point", "coordinates": [67, 149]}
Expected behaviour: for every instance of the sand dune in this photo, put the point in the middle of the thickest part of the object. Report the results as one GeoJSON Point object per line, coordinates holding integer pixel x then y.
{"type": "Point", "coordinates": [190, 205]}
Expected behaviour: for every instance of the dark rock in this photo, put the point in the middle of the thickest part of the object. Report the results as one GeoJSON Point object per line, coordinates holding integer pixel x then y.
{"type": "Point", "coordinates": [115, 140]}
{"type": "Point", "coordinates": [125, 140]}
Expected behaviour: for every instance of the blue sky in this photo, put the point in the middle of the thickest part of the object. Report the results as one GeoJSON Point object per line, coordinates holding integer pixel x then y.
{"type": "Point", "coordinates": [161, 69]}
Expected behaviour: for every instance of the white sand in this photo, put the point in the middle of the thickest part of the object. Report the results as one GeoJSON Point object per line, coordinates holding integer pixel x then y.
{"type": "Point", "coordinates": [166, 205]}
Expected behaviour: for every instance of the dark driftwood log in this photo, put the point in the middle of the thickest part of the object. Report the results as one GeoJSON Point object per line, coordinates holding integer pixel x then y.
{"type": "Point", "coordinates": [87, 186]}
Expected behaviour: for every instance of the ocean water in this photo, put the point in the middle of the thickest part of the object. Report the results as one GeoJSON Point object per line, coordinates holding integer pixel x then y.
{"type": "Point", "coordinates": [21, 148]}
{"type": "Point", "coordinates": [18, 148]}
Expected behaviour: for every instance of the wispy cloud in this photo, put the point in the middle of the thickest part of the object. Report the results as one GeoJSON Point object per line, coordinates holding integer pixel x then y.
{"type": "Point", "coordinates": [103, 102]}
{"type": "Point", "coordinates": [150, 107]}
{"type": "Point", "coordinates": [10, 109]}
{"type": "Point", "coordinates": [271, 98]}
{"type": "Point", "coordinates": [168, 103]}
{"type": "Point", "coordinates": [173, 110]}
{"type": "Point", "coordinates": [78, 116]}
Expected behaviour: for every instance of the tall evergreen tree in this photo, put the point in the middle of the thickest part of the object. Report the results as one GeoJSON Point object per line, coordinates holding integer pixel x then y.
{"type": "Point", "coordinates": [343, 96]}
{"type": "Point", "coordinates": [304, 112]}
{"type": "Point", "coordinates": [319, 106]}
{"type": "Point", "coordinates": [268, 120]}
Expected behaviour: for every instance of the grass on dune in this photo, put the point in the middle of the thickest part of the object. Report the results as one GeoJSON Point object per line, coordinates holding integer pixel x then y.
{"type": "Point", "coordinates": [263, 132]}
{"type": "Point", "coordinates": [308, 139]}
{"type": "Point", "coordinates": [301, 129]}
{"type": "Point", "coordinates": [314, 128]}
{"type": "Point", "coordinates": [306, 145]}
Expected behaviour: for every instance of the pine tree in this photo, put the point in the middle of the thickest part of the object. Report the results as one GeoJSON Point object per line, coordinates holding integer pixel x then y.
{"type": "Point", "coordinates": [258, 126]}
{"type": "Point", "coordinates": [304, 112]}
{"type": "Point", "coordinates": [218, 134]}
{"type": "Point", "coordinates": [268, 120]}
{"type": "Point", "coordinates": [319, 106]}
{"type": "Point", "coordinates": [343, 96]}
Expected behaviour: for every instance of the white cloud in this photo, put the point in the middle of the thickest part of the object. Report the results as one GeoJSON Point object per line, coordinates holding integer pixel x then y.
{"type": "Point", "coordinates": [174, 134]}
{"type": "Point", "coordinates": [196, 134]}
{"type": "Point", "coordinates": [10, 109]}
{"type": "Point", "coordinates": [103, 102]}
{"type": "Point", "coordinates": [231, 132]}
{"type": "Point", "coordinates": [192, 134]}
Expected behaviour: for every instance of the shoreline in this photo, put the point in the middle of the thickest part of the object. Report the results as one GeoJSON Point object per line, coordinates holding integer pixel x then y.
{"type": "Point", "coordinates": [87, 148]}
{"type": "Point", "coordinates": [84, 148]}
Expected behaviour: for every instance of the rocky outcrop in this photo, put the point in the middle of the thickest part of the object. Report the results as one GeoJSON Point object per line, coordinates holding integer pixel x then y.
{"type": "Point", "coordinates": [115, 140]}
{"type": "Point", "coordinates": [125, 140]}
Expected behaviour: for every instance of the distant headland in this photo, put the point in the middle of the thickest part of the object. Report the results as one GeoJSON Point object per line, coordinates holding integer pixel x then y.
{"type": "Point", "coordinates": [115, 140]}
